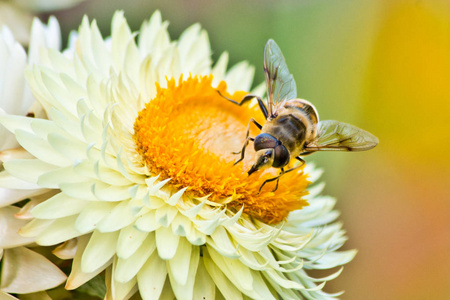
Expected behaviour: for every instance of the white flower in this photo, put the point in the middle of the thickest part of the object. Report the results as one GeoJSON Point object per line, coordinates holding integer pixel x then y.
{"type": "Point", "coordinates": [18, 14]}
{"type": "Point", "coordinates": [23, 270]}
{"type": "Point", "coordinates": [138, 149]}
{"type": "Point", "coordinates": [16, 97]}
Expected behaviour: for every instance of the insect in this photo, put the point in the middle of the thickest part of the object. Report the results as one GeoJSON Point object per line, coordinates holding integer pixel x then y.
{"type": "Point", "coordinates": [292, 128]}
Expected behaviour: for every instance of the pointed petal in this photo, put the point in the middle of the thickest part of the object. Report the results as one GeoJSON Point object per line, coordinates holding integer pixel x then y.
{"type": "Point", "coordinates": [25, 271]}
{"type": "Point", "coordinates": [236, 271]}
{"type": "Point", "coordinates": [99, 250]}
{"type": "Point", "coordinates": [119, 290]}
{"type": "Point", "coordinates": [220, 69]}
{"type": "Point", "coordinates": [179, 264]}
{"type": "Point", "coordinates": [226, 287]}
{"type": "Point", "coordinates": [10, 225]}
{"type": "Point", "coordinates": [119, 217]}
{"type": "Point", "coordinates": [127, 268]}
{"type": "Point", "coordinates": [204, 287]}
{"type": "Point", "coordinates": [166, 243]}
{"type": "Point", "coordinates": [78, 277]}
{"type": "Point", "coordinates": [59, 206]}
{"type": "Point", "coordinates": [66, 250]}
{"type": "Point", "coordinates": [92, 214]}
{"type": "Point", "coordinates": [59, 231]}
{"type": "Point", "coordinates": [186, 291]}
{"type": "Point", "coordinates": [240, 77]}
{"type": "Point", "coordinates": [130, 239]}
{"type": "Point", "coordinates": [151, 277]}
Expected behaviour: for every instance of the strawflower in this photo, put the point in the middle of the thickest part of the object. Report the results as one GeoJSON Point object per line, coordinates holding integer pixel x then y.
{"type": "Point", "coordinates": [138, 148]}
{"type": "Point", "coordinates": [23, 270]}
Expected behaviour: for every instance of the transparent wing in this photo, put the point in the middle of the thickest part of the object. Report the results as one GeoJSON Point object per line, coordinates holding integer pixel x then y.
{"type": "Point", "coordinates": [279, 82]}
{"type": "Point", "coordinates": [337, 136]}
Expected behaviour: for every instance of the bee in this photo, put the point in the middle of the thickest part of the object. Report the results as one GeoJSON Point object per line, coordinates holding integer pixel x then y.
{"type": "Point", "coordinates": [292, 128]}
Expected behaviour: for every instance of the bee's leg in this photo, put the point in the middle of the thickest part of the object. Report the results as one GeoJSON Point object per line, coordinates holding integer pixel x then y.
{"type": "Point", "coordinates": [278, 180]}
{"type": "Point", "coordinates": [247, 98]}
{"type": "Point", "coordinates": [247, 139]}
{"type": "Point", "coordinates": [243, 150]}
{"type": "Point", "coordinates": [302, 162]}
{"type": "Point", "coordinates": [272, 179]}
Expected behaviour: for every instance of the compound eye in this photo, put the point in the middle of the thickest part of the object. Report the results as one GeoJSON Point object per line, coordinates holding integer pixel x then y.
{"type": "Point", "coordinates": [282, 157]}
{"type": "Point", "coordinates": [264, 141]}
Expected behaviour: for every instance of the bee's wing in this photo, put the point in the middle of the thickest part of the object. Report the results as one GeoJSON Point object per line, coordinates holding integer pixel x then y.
{"type": "Point", "coordinates": [279, 82]}
{"type": "Point", "coordinates": [337, 136]}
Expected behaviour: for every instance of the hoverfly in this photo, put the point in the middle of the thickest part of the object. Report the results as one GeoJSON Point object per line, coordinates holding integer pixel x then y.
{"type": "Point", "coordinates": [292, 128]}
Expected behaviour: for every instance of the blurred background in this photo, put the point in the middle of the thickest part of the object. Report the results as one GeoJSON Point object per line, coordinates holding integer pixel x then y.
{"type": "Point", "coordinates": [383, 65]}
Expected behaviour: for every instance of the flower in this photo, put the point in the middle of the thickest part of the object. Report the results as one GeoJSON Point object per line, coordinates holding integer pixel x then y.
{"type": "Point", "coordinates": [23, 270]}
{"type": "Point", "coordinates": [137, 148]}
{"type": "Point", "coordinates": [18, 14]}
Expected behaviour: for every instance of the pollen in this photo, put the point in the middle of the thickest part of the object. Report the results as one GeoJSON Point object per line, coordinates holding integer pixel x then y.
{"type": "Point", "coordinates": [188, 133]}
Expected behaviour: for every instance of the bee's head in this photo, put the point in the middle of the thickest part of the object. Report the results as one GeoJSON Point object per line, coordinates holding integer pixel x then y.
{"type": "Point", "coordinates": [264, 160]}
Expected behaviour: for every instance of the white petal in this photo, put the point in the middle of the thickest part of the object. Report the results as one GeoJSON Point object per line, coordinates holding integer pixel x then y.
{"type": "Point", "coordinates": [151, 277]}
{"type": "Point", "coordinates": [173, 200]}
{"type": "Point", "coordinates": [127, 268]}
{"type": "Point", "coordinates": [240, 77]}
{"type": "Point", "coordinates": [10, 225]}
{"type": "Point", "coordinates": [185, 291]}
{"type": "Point", "coordinates": [66, 250]}
{"type": "Point", "coordinates": [42, 36]}
{"type": "Point", "coordinates": [220, 69]}
{"type": "Point", "coordinates": [14, 153]}
{"type": "Point", "coordinates": [223, 283]}
{"type": "Point", "coordinates": [119, 217]}
{"type": "Point", "coordinates": [106, 192]}
{"type": "Point", "coordinates": [10, 196]}
{"type": "Point", "coordinates": [80, 190]}
{"type": "Point", "coordinates": [53, 179]}
{"type": "Point", "coordinates": [130, 239]}
{"type": "Point", "coordinates": [204, 287]}
{"type": "Point", "coordinates": [181, 225]}
{"type": "Point", "coordinates": [28, 169]}
{"type": "Point", "coordinates": [77, 277]}
{"type": "Point", "coordinates": [236, 271]}
{"type": "Point", "coordinates": [6, 296]}
{"type": "Point", "coordinates": [35, 227]}
{"type": "Point", "coordinates": [147, 222]}
{"type": "Point", "coordinates": [179, 264]}
{"type": "Point", "coordinates": [196, 237]}
{"type": "Point", "coordinates": [13, 123]}
{"type": "Point", "coordinates": [99, 250]}
{"type": "Point", "coordinates": [195, 51]}
{"type": "Point", "coordinates": [334, 259]}
{"type": "Point", "coordinates": [59, 206]}
{"type": "Point", "coordinates": [165, 215]}
{"type": "Point", "coordinates": [59, 231]}
{"type": "Point", "coordinates": [25, 271]}
{"type": "Point", "coordinates": [119, 290]}
{"type": "Point", "coordinates": [104, 174]}
{"type": "Point", "coordinates": [92, 214]}
{"type": "Point", "coordinates": [25, 211]}
{"type": "Point", "coordinates": [220, 240]}
{"type": "Point", "coordinates": [166, 243]}
{"type": "Point", "coordinates": [10, 182]}
{"type": "Point", "coordinates": [69, 147]}
{"type": "Point", "coordinates": [154, 36]}
{"type": "Point", "coordinates": [41, 149]}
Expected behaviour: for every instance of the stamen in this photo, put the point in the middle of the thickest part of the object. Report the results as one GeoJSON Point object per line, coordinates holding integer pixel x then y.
{"type": "Point", "coordinates": [188, 133]}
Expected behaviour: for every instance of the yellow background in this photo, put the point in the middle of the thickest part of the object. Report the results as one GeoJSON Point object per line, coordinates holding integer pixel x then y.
{"type": "Point", "coordinates": [383, 65]}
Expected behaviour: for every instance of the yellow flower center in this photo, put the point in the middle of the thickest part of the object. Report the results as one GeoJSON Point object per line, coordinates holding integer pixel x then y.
{"type": "Point", "coordinates": [188, 133]}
